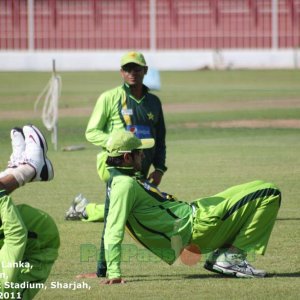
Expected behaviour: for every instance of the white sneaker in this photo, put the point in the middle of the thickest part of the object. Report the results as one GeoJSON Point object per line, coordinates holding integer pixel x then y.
{"type": "Point", "coordinates": [71, 214]}
{"type": "Point", "coordinates": [80, 203]}
{"type": "Point", "coordinates": [18, 147]}
{"type": "Point", "coordinates": [35, 154]}
{"type": "Point", "coordinates": [232, 264]}
{"type": "Point", "coordinates": [77, 208]}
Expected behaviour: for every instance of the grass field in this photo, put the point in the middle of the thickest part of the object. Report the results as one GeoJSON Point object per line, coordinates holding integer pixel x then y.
{"type": "Point", "coordinates": [224, 128]}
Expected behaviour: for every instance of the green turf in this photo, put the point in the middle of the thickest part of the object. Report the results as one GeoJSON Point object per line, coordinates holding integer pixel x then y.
{"type": "Point", "coordinates": [201, 160]}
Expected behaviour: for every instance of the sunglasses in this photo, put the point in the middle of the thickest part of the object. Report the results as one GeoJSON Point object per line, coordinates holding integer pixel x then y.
{"type": "Point", "coordinates": [135, 69]}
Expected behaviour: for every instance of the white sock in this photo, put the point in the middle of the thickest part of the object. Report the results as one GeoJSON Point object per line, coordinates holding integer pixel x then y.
{"type": "Point", "coordinates": [23, 173]}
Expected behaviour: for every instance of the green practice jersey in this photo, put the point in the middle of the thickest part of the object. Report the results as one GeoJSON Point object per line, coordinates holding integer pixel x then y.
{"type": "Point", "coordinates": [155, 219]}
{"type": "Point", "coordinates": [116, 109]}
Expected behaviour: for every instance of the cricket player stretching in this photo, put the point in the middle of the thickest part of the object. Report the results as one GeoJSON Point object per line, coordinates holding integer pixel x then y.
{"type": "Point", "coordinates": [128, 107]}
{"type": "Point", "coordinates": [228, 225]}
{"type": "Point", "coordinates": [29, 239]}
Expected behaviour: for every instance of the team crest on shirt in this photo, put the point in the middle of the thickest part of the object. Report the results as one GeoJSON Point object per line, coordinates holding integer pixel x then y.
{"type": "Point", "coordinates": [150, 116]}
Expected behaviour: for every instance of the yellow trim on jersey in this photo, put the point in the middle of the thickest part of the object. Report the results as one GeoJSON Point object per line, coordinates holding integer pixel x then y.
{"type": "Point", "coordinates": [126, 117]}
{"type": "Point", "coordinates": [151, 188]}
{"type": "Point", "coordinates": [137, 100]}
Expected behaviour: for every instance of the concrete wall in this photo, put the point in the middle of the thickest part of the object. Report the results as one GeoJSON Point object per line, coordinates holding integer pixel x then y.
{"type": "Point", "coordinates": [160, 60]}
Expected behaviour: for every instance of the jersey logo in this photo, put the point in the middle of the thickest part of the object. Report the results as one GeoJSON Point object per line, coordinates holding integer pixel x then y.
{"type": "Point", "coordinates": [140, 131]}
{"type": "Point", "coordinates": [128, 112]}
{"type": "Point", "coordinates": [31, 137]}
{"type": "Point", "coordinates": [150, 116]}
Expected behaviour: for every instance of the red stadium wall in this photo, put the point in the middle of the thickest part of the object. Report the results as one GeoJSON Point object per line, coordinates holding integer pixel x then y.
{"type": "Point", "coordinates": [126, 24]}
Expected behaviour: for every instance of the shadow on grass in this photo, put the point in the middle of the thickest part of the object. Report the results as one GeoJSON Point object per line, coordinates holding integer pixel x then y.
{"type": "Point", "coordinates": [173, 277]}
{"type": "Point", "coordinates": [269, 275]}
{"type": "Point", "coordinates": [291, 275]}
{"type": "Point", "coordinates": [200, 276]}
{"type": "Point", "coordinates": [288, 219]}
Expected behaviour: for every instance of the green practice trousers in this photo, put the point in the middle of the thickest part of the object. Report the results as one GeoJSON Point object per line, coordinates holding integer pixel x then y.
{"type": "Point", "coordinates": [242, 216]}
{"type": "Point", "coordinates": [27, 235]}
{"type": "Point", "coordinates": [12, 243]}
{"type": "Point", "coordinates": [95, 212]}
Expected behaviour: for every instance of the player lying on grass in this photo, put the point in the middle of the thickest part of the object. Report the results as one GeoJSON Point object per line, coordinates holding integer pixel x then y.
{"type": "Point", "coordinates": [29, 239]}
{"type": "Point", "coordinates": [228, 225]}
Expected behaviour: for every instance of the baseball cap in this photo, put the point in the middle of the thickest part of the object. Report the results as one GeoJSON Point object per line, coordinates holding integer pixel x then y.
{"type": "Point", "coordinates": [133, 57]}
{"type": "Point", "coordinates": [124, 142]}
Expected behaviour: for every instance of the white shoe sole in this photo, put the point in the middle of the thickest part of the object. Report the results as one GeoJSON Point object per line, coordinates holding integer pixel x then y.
{"type": "Point", "coordinates": [47, 172]}
{"type": "Point", "coordinates": [229, 272]}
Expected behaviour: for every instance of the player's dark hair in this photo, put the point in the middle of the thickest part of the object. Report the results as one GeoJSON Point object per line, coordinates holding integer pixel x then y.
{"type": "Point", "coordinates": [115, 161]}
{"type": "Point", "coordinates": [118, 161]}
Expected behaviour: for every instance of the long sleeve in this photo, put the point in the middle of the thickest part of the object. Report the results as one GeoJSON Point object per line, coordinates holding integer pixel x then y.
{"type": "Point", "coordinates": [95, 131]}
{"type": "Point", "coordinates": [159, 160]}
{"type": "Point", "coordinates": [121, 202]}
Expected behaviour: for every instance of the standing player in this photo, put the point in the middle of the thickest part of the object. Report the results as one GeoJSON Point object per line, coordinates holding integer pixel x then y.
{"type": "Point", "coordinates": [29, 239]}
{"type": "Point", "coordinates": [129, 107]}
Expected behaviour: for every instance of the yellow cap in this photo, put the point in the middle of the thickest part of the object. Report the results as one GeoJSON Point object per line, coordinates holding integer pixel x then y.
{"type": "Point", "coordinates": [134, 58]}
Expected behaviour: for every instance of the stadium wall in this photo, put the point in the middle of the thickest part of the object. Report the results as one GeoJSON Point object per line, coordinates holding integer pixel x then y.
{"type": "Point", "coordinates": [160, 60]}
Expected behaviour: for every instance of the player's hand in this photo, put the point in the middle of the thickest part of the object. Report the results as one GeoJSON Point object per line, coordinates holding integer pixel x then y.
{"type": "Point", "coordinates": [155, 177]}
{"type": "Point", "coordinates": [113, 281]}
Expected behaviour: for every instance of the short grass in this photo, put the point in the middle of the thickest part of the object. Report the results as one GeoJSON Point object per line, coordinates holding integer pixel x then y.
{"type": "Point", "coordinates": [202, 161]}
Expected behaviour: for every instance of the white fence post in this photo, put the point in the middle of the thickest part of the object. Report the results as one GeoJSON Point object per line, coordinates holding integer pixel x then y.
{"type": "Point", "coordinates": [152, 25]}
{"type": "Point", "coordinates": [30, 20]}
{"type": "Point", "coordinates": [274, 24]}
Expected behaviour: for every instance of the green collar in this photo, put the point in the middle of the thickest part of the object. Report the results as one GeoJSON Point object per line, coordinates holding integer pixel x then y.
{"type": "Point", "coordinates": [128, 92]}
{"type": "Point", "coordinates": [127, 171]}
